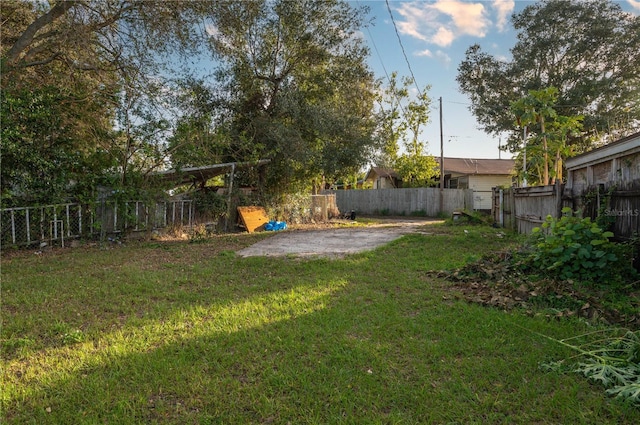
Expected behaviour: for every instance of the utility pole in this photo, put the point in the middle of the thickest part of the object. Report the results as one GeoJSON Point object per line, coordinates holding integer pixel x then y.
{"type": "Point", "coordinates": [441, 162]}
{"type": "Point", "coordinates": [524, 162]}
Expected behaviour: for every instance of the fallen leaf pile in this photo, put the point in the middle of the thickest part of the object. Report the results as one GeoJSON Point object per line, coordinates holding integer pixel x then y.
{"type": "Point", "coordinates": [499, 281]}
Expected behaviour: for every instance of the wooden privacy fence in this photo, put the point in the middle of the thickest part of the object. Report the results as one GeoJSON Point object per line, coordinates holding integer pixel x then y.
{"type": "Point", "coordinates": [524, 208]}
{"type": "Point", "coordinates": [412, 201]}
{"type": "Point", "coordinates": [503, 207]}
{"type": "Point", "coordinates": [618, 204]}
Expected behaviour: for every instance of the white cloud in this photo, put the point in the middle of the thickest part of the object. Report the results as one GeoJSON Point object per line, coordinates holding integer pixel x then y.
{"type": "Point", "coordinates": [443, 21]}
{"type": "Point", "coordinates": [412, 25]}
{"type": "Point", "coordinates": [635, 4]}
{"type": "Point", "coordinates": [443, 37]}
{"type": "Point", "coordinates": [426, 52]}
{"type": "Point", "coordinates": [468, 18]}
{"type": "Point", "coordinates": [439, 55]}
{"type": "Point", "coordinates": [503, 9]}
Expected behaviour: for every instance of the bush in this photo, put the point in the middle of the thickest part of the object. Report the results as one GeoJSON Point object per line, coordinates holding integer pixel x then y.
{"type": "Point", "coordinates": [575, 248]}
{"type": "Point", "coordinates": [209, 205]}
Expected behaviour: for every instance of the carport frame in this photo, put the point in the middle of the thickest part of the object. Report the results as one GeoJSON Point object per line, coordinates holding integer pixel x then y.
{"type": "Point", "coordinates": [195, 175]}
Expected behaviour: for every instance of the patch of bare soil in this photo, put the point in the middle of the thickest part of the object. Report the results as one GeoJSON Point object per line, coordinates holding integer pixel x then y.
{"type": "Point", "coordinates": [498, 282]}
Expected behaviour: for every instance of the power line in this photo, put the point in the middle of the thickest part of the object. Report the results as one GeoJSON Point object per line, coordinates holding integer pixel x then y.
{"type": "Point", "coordinates": [415, 82]}
{"type": "Point", "coordinates": [375, 47]}
{"type": "Point", "coordinates": [394, 94]}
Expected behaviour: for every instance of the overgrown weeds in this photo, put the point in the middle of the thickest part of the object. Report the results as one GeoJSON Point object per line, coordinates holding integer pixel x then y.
{"type": "Point", "coordinates": [568, 269]}
{"type": "Point", "coordinates": [611, 359]}
{"type": "Point", "coordinates": [576, 248]}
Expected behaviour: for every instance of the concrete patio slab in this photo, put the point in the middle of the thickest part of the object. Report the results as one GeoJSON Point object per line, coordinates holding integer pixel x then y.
{"type": "Point", "coordinates": [334, 242]}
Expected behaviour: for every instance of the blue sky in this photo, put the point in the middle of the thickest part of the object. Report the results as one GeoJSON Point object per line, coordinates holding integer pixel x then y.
{"type": "Point", "coordinates": [435, 36]}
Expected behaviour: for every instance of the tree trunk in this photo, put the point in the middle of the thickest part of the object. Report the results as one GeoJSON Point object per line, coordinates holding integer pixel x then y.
{"type": "Point", "coordinates": [545, 178]}
{"type": "Point", "coordinates": [558, 166]}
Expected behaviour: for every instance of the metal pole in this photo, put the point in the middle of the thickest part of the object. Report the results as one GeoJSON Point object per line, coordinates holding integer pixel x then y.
{"type": "Point", "coordinates": [13, 227]}
{"type": "Point", "coordinates": [441, 162]}
{"type": "Point", "coordinates": [229, 199]}
{"type": "Point", "coordinates": [524, 165]}
{"type": "Point", "coordinates": [68, 222]}
{"type": "Point", "coordinates": [501, 208]}
{"type": "Point", "coordinates": [28, 227]}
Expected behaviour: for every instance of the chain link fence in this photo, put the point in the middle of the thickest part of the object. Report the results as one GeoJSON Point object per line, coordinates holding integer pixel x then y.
{"type": "Point", "coordinates": [59, 223]}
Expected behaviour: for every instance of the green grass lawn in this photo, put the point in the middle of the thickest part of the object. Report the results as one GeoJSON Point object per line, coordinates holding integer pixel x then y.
{"type": "Point", "coordinates": [189, 333]}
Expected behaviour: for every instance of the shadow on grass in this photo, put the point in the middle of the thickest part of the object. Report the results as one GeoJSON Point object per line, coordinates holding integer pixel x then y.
{"type": "Point", "coordinates": [287, 340]}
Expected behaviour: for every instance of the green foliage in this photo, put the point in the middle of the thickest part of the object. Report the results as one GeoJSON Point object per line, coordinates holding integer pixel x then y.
{"type": "Point", "coordinates": [293, 208]}
{"type": "Point", "coordinates": [417, 170]}
{"type": "Point", "coordinates": [610, 361]}
{"type": "Point", "coordinates": [564, 44]}
{"type": "Point", "coordinates": [576, 248]}
{"type": "Point", "coordinates": [401, 119]}
{"type": "Point", "coordinates": [537, 113]}
{"type": "Point", "coordinates": [209, 204]}
{"type": "Point", "coordinates": [296, 88]}
{"type": "Point", "coordinates": [43, 150]}
{"type": "Point", "coordinates": [67, 67]}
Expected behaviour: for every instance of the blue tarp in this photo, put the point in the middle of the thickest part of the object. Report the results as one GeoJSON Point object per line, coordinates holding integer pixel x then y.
{"type": "Point", "coordinates": [275, 225]}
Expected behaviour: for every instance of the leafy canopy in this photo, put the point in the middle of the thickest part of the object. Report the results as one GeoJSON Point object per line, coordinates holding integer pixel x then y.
{"type": "Point", "coordinates": [536, 115]}
{"type": "Point", "coordinates": [75, 103]}
{"type": "Point", "coordinates": [589, 50]}
{"type": "Point", "coordinates": [295, 87]}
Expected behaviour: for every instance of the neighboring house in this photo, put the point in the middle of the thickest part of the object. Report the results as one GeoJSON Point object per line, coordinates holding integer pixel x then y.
{"type": "Point", "coordinates": [607, 181]}
{"type": "Point", "coordinates": [481, 175]}
{"type": "Point", "coordinates": [383, 178]}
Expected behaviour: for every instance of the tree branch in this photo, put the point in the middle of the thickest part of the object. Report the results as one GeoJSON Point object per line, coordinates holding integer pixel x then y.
{"type": "Point", "coordinates": [25, 40]}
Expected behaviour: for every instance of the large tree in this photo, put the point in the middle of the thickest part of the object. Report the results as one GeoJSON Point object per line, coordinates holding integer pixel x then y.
{"type": "Point", "coordinates": [589, 50]}
{"type": "Point", "coordinates": [69, 72]}
{"type": "Point", "coordinates": [296, 87]}
{"type": "Point", "coordinates": [401, 116]}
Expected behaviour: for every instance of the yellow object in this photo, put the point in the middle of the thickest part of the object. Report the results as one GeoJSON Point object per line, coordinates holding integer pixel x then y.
{"type": "Point", "coordinates": [253, 218]}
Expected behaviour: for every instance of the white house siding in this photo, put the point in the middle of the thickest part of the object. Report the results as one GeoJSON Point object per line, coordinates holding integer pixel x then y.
{"type": "Point", "coordinates": [382, 183]}
{"type": "Point", "coordinates": [482, 185]}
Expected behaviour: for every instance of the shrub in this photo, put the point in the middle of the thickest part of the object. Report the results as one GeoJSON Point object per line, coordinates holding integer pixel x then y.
{"type": "Point", "coordinates": [209, 204]}
{"type": "Point", "coordinates": [577, 248]}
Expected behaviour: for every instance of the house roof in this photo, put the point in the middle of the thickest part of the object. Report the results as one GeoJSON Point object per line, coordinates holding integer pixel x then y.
{"type": "Point", "coordinates": [624, 146]}
{"type": "Point", "coordinates": [382, 172]}
{"type": "Point", "coordinates": [204, 173]}
{"type": "Point", "coordinates": [478, 166]}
